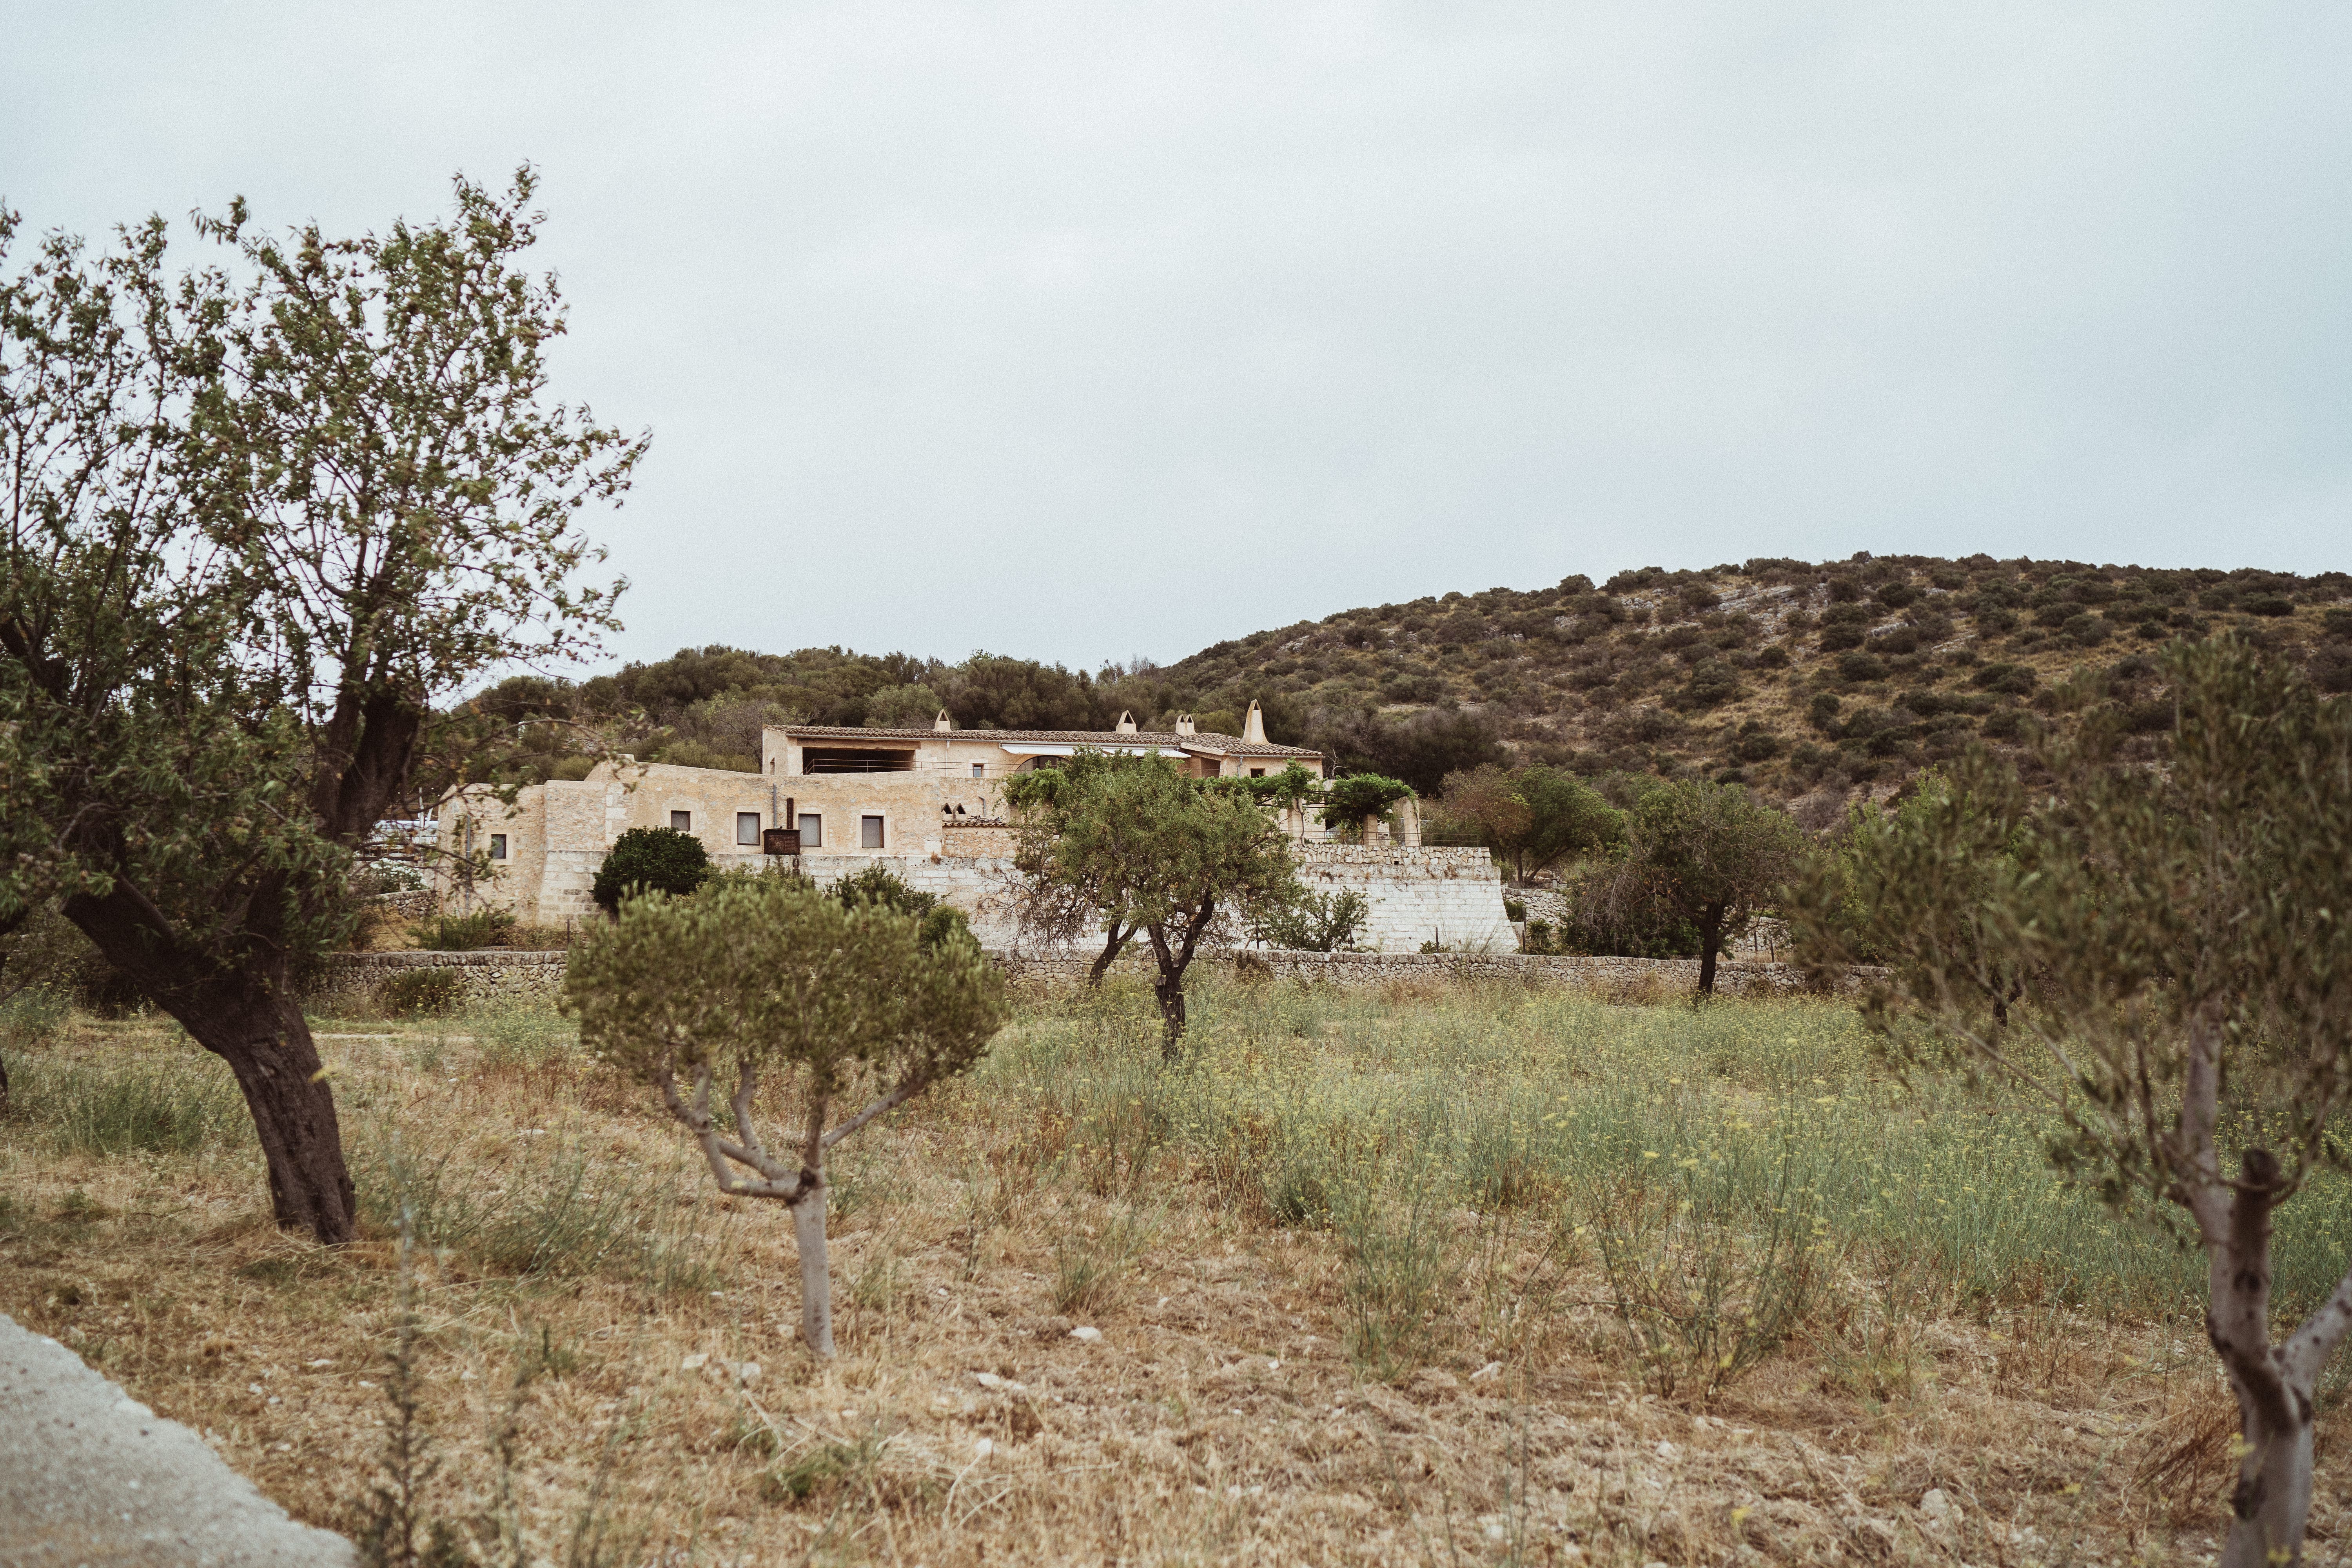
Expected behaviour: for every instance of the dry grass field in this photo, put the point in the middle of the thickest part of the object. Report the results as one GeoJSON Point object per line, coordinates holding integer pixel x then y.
{"type": "Point", "coordinates": [1457, 1276]}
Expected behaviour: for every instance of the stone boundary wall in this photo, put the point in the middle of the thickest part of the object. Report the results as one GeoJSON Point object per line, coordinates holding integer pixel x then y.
{"type": "Point", "coordinates": [487, 974]}
{"type": "Point", "coordinates": [511, 972]}
{"type": "Point", "coordinates": [1634, 977]}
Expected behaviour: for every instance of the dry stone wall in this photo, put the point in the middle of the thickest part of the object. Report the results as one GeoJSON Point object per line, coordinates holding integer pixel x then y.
{"type": "Point", "coordinates": [506, 973]}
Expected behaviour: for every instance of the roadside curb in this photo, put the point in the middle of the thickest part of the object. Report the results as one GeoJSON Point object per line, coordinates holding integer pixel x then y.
{"type": "Point", "coordinates": [88, 1476]}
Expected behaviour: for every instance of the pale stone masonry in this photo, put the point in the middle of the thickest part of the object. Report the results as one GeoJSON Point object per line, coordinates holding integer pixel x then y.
{"type": "Point", "coordinates": [929, 805]}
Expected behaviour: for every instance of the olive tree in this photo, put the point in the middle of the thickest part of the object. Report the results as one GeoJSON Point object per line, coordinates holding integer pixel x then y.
{"type": "Point", "coordinates": [1127, 845]}
{"type": "Point", "coordinates": [2185, 933]}
{"type": "Point", "coordinates": [255, 520]}
{"type": "Point", "coordinates": [766, 984]}
{"type": "Point", "coordinates": [1712, 854]}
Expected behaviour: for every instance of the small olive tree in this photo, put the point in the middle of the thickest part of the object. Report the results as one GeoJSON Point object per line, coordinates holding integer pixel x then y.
{"type": "Point", "coordinates": [1712, 854]}
{"type": "Point", "coordinates": [766, 982]}
{"type": "Point", "coordinates": [2164, 957]}
{"type": "Point", "coordinates": [1127, 844]}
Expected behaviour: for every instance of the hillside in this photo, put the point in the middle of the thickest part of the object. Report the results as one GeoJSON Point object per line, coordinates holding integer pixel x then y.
{"type": "Point", "coordinates": [1811, 682]}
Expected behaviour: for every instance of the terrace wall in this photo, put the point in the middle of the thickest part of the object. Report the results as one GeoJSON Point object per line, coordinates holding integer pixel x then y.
{"type": "Point", "coordinates": [506, 973]}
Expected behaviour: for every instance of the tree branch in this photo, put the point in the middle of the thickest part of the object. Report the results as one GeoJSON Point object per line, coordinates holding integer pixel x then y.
{"type": "Point", "coordinates": [881, 1107]}
{"type": "Point", "coordinates": [2307, 1350]}
{"type": "Point", "coordinates": [775, 1181]}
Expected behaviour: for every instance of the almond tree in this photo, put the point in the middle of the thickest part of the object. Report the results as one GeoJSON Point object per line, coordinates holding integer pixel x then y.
{"type": "Point", "coordinates": [764, 982]}
{"type": "Point", "coordinates": [253, 523]}
{"type": "Point", "coordinates": [2185, 933]}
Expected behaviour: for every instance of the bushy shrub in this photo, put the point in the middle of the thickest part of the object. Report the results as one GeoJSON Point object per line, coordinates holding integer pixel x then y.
{"type": "Point", "coordinates": [421, 993]}
{"type": "Point", "coordinates": [650, 859]}
{"type": "Point", "coordinates": [1316, 922]}
{"type": "Point", "coordinates": [877, 885]}
{"type": "Point", "coordinates": [466, 934]}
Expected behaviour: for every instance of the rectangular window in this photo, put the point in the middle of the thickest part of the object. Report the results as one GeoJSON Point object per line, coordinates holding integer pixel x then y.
{"type": "Point", "coordinates": [869, 832]}
{"type": "Point", "coordinates": [980, 770]}
{"type": "Point", "coordinates": [812, 830]}
{"type": "Point", "coordinates": [682, 820]}
{"type": "Point", "coordinates": [498, 846]}
{"type": "Point", "coordinates": [747, 827]}
{"type": "Point", "coordinates": [1258, 773]}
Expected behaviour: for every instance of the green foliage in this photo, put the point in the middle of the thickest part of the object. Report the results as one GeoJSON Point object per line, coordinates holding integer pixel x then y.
{"type": "Point", "coordinates": [763, 973]}
{"type": "Point", "coordinates": [1354, 800]}
{"type": "Point", "coordinates": [1124, 844]}
{"type": "Point", "coordinates": [177, 1100]}
{"type": "Point", "coordinates": [1531, 817]}
{"type": "Point", "coordinates": [2163, 956]}
{"type": "Point", "coordinates": [486, 927]}
{"type": "Point", "coordinates": [935, 921]}
{"type": "Point", "coordinates": [2134, 902]}
{"type": "Point", "coordinates": [261, 518]}
{"type": "Point", "coordinates": [650, 860]}
{"type": "Point", "coordinates": [1711, 855]}
{"type": "Point", "coordinates": [1420, 749]}
{"type": "Point", "coordinates": [423, 993]}
{"type": "Point", "coordinates": [1315, 922]}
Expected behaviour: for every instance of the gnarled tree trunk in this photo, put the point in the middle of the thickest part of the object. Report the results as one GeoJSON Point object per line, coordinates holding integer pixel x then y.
{"type": "Point", "coordinates": [267, 1045]}
{"type": "Point", "coordinates": [1167, 986]}
{"type": "Point", "coordinates": [1116, 936]}
{"type": "Point", "coordinates": [2271, 1500]}
{"type": "Point", "coordinates": [250, 1020]}
{"type": "Point", "coordinates": [1710, 946]}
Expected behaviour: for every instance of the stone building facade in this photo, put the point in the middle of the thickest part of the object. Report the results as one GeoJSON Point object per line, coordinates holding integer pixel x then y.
{"type": "Point", "coordinates": [929, 805]}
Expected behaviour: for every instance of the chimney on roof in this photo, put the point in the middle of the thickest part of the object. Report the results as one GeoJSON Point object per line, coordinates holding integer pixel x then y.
{"type": "Point", "coordinates": [1253, 727]}
{"type": "Point", "coordinates": [1184, 723]}
{"type": "Point", "coordinates": [1126, 725]}
{"type": "Point", "coordinates": [943, 721]}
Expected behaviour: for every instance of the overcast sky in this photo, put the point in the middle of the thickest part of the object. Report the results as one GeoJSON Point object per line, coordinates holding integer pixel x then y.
{"type": "Point", "coordinates": [1082, 332]}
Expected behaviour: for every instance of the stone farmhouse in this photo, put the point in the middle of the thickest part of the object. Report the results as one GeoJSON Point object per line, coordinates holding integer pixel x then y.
{"type": "Point", "coordinates": [928, 804]}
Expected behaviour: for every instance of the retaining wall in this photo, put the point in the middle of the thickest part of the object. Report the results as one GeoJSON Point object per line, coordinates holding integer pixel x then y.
{"type": "Point", "coordinates": [510, 972]}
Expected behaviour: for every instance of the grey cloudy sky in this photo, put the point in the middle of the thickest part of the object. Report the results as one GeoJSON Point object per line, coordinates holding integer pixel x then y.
{"type": "Point", "coordinates": [1082, 331]}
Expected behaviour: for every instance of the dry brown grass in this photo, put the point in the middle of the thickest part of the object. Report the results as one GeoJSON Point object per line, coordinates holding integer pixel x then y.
{"type": "Point", "coordinates": [1219, 1417]}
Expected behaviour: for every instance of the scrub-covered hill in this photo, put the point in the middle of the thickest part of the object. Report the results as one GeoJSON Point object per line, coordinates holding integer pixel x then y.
{"type": "Point", "coordinates": [1803, 679]}
{"type": "Point", "coordinates": [1812, 682]}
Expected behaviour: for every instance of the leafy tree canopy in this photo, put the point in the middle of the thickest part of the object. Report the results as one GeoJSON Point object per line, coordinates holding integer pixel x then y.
{"type": "Point", "coordinates": [764, 982]}
{"type": "Point", "coordinates": [1531, 817]}
{"type": "Point", "coordinates": [2186, 1005]}
{"type": "Point", "coordinates": [261, 518]}
{"type": "Point", "coordinates": [649, 860]}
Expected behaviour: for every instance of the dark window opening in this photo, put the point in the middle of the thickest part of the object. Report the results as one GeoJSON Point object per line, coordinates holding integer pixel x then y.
{"type": "Point", "coordinates": [869, 832]}
{"type": "Point", "coordinates": [683, 821]}
{"type": "Point", "coordinates": [498, 846]}
{"type": "Point", "coordinates": [1258, 773]}
{"type": "Point", "coordinates": [855, 760]}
